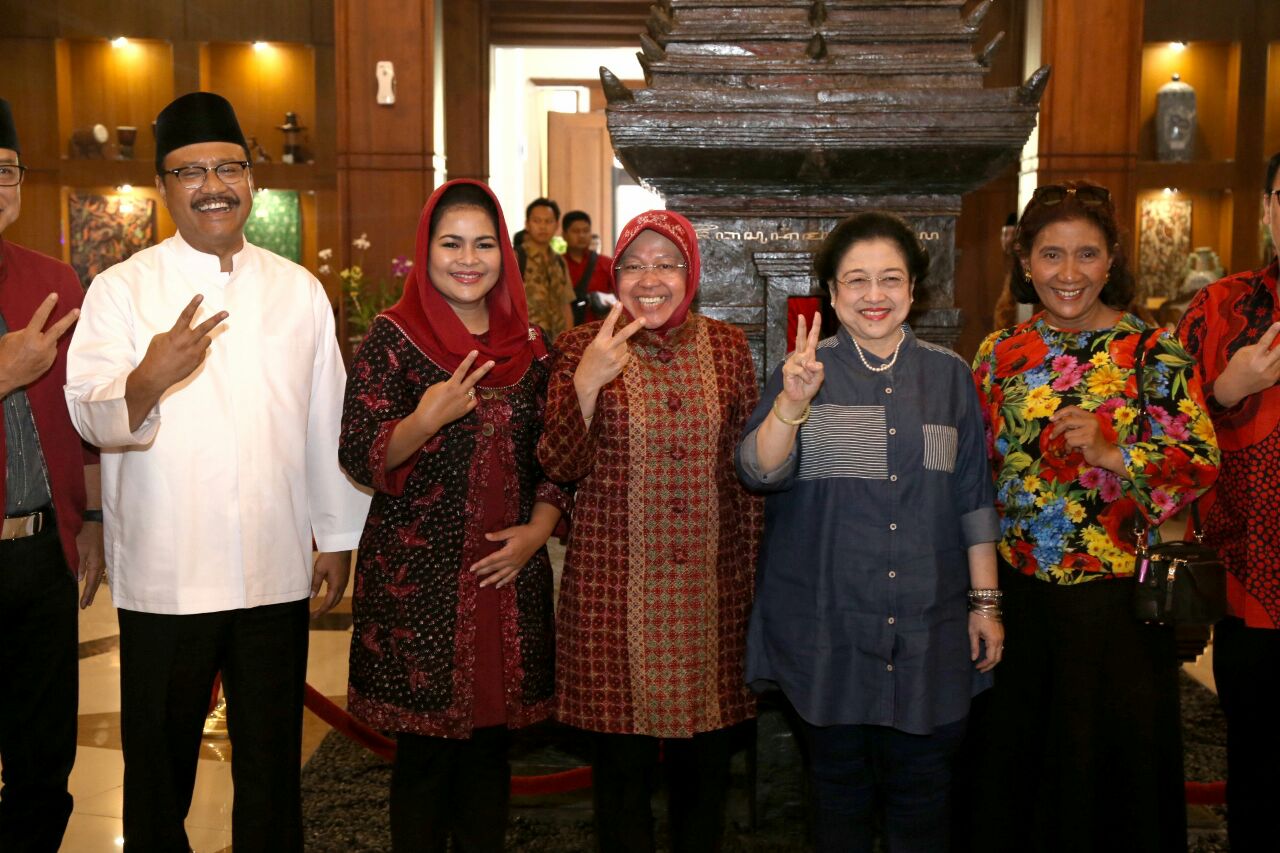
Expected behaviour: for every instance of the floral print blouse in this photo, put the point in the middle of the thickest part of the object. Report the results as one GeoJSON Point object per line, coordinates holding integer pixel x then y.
{"type": "Point", "coordinates": [1061, 519]}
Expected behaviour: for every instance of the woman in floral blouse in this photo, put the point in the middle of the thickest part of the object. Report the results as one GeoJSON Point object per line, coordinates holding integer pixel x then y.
{"type": "Point", "coordinates": [1080, 745]}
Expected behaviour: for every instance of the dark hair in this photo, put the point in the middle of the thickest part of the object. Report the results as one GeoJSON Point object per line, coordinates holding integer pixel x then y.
{"type": "Point", "coordinates": [542, 202]}
{"type": "Point", "coordinates": [464, 195]}
{"type": "Point", "coordinates": [572, 217]}
{"type": "Point", "coordinates": [873, 225]}
{"type": "Point", "coordinates": [1273, 166]}
{"type": "Point", "coordinates": [1120, 287]}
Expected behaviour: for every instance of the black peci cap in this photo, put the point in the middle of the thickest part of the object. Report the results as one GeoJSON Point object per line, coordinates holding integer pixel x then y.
{"type": "Point", "coordinates": [8, 130]}
{"type": "Point", "coordinates": [196, 117]}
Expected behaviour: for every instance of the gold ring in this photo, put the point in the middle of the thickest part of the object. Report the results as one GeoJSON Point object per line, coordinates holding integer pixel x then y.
{"type": "Point", "coordinates": [471, 392]}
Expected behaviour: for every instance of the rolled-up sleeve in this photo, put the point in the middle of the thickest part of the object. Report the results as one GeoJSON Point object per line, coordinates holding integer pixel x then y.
{"type": "Point", "coordinates": [101, 357]}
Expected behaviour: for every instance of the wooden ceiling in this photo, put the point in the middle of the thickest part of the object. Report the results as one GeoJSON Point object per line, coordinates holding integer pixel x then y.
{"type": "Point", "coordinates": [599, 23]}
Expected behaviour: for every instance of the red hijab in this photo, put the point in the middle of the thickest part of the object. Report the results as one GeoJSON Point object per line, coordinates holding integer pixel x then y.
{"type": "Point", "coordinates": [678, 230]}
{"type": "Point", "coordinates": [431, 323]}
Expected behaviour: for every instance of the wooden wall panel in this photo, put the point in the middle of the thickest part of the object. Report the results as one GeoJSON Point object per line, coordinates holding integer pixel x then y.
{"type": "Point", "coordinates": [237, 20]}
{"type": "Point", "coordinates": [28, 69]}
{"type": "Point", "coordinates": [466, 90]}
{"type": "Point", "coordinates": [142, 19]}
{"type": "Point", "coordinates": [37, 226]}
{"type": "Point", "coordinates": [1089, 114]}
{"type": "Point", "coordinates": [599, 23]}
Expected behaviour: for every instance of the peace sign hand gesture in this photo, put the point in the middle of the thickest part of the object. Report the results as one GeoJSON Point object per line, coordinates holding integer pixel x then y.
{"type": "Point", "coordinates": [26, 354]}
{"type": "Point", "coordinates": [802, 373]}
{"type": "Point", "coordinates": [605, 357]}
{"type": "Point", "coordinates": [445, 402]}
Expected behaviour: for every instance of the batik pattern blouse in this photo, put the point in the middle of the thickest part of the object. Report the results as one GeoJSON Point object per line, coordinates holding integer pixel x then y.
{"type": "Point", "coordinates": [1239, 512]}
{"type": "Point", "coordinates": [1062, 520]}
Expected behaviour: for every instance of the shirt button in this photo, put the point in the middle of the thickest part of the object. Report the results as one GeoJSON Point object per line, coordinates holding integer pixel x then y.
{"type": "Point", "coordinates": [888, 390]}
{"type": "Point", "coordinates": [893, 478]}
{"type": "Point", "coordinates": [892, 431]}
{"type": "Point", "coordinates": [677, 453]}
{"type": "Point", "coordinates": [673, 403]}
{"type": "Point", "coordinates": [891, 526]}
{"type": "Point", "coordinates": [487, 429]}
{"type": "Point", "coordinates": [665, 356]}
{"type": "Point", "coordinates": [893, 575]}
{"type": "Point", "coordinates": [678, 506]}
{"type": "Point", "coordinates": [889, 667]}
{"type": "Point", "coordinates": [891, 620]}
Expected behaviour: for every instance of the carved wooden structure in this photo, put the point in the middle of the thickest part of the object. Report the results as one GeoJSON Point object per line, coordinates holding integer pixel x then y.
{"type": "Point", "coordinates": [767, 122]}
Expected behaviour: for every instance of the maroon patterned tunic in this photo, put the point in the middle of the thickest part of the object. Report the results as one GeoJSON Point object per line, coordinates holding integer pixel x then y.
{"type": "Point", "coordinates": [414, 664]}
{"type": "Point", "coordinates": [660, 567]}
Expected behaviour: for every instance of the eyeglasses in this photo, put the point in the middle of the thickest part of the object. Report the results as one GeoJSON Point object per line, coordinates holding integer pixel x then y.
{"type": "Point", "coordinates": [1266, 194]}
{"type": "Point", "coordinates": [11, 174]}
{"type": "Point", "coordinates": [663, 270]}
{"type": "Point", "coordinates": [193, 177]}
{"type": "Point", "coordinates": [861, 283]}
{"type": "Point", "coordinates": [1088, 195]}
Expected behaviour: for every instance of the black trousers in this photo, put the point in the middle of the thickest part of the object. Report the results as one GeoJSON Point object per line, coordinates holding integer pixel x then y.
{"type": "Point", "coordinates": [1246, 666]}
{"type": "Point", "coordinates": [697, 771]}
{"type": "Point", "coordinates": [39, 677]}
{"type": "Point", "coordinates": [442, 787]}
{"type": "Point", "coordinates": [167, 667]}
{"type": "Point", "coordinates": [1079, 745]}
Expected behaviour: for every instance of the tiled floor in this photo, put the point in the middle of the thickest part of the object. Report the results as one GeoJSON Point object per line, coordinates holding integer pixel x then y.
{"type": "Point", "coordinates": [97, 778]}
{"type": "Point", "coordinates": [95, 825]}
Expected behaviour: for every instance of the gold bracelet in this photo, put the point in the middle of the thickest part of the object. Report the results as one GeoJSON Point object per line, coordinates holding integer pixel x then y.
{"type": "Point", "coordinates": [789, 422]}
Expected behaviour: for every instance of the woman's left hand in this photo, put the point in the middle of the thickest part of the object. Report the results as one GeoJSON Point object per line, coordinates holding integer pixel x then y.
{"type": "Point", "coordinates": [502, 566]}
{"type": "Point", "coordinates": [1082, 432]}
{"type": "Point", "coordinates": [991, 633]}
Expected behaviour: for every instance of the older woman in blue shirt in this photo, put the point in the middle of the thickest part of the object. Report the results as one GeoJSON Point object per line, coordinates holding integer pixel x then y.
{"type": "Point", "coordinates": [876, 608]}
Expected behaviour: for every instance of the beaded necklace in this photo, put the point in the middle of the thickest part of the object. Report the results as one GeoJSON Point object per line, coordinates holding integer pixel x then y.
{"type": "Point", "coordinates": [888, 364]}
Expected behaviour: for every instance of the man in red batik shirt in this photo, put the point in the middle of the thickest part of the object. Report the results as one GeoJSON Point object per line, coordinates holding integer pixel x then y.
{"type": "Point", "coordinates": [1231, 328]}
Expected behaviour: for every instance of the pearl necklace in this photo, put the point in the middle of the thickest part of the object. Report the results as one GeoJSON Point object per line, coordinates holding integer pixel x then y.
{"type": "Point", "coordinates": [888, 364]}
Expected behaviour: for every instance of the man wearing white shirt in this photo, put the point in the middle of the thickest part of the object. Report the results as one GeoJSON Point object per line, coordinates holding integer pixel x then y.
{"type": "Point", "coordinates": [208, 371]}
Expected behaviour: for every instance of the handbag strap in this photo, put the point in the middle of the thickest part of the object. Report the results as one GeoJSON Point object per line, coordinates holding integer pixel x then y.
{"type": "Point", "coordinates": [1139, 362]}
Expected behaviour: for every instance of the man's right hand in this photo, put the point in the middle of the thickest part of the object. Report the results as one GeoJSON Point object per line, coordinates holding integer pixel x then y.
{"type": "Point", "coordinates": [26, 354]}
{"type": "Point", "coordinates": [171, 357]}
{"type": "Point", "coordinates": [1252, 369]}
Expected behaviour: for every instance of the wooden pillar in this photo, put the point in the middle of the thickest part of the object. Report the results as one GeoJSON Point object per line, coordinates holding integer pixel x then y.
{"type": "Point", "coordinates": [466, 89]}
{"type": "Point", "coordinates": [1089, 114]}
{"type": "Point", "coordinates": [384, 153]}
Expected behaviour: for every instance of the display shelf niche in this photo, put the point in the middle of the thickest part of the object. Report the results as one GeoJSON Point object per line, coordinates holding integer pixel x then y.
{"type": "Point", "coordinates": [1213, 70]}
{"type": "Point", "coordinates": [122, 82]}
{"type": "Point", "coordinates": [263, 81]}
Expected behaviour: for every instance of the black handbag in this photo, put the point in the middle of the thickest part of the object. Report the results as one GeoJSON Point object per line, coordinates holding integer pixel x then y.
{"type": "Point", "coordinates": [1178, 583]}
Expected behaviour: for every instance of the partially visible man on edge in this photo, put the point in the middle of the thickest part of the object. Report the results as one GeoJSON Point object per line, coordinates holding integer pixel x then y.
{"type": "Point", "coordinates": [547, 288]}
{"type": "Point", "coordinates": [210, 369]}
{"type": "Point", "coordinates": [49, 478]}
{"type": "Point", "coordinates": [1231, 328]}
{"type": "Point", "coordinates": [588, 270]}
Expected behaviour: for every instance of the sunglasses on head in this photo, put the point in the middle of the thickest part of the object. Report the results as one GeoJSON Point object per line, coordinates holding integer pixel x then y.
{"type": "Point", "coordinates": [1088, 195]}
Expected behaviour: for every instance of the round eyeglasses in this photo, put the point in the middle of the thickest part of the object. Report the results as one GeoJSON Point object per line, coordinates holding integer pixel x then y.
{"type": "Point", "coordinates": [193, 177]}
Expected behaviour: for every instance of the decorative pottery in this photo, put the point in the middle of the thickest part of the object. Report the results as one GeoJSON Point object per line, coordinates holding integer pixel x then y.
{"type": "Point", "coordinates": [1203, 267]}
{"type": "Point", "coordinates": [1175, 121]}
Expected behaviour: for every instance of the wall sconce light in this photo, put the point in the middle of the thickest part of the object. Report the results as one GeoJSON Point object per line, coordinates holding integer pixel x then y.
{"type": "Point", "coordinates": [1177, 46]}
{"type": "Point", "coordinates": [119, 41]}
{"type": "Point", "coordinates": [260, 46]}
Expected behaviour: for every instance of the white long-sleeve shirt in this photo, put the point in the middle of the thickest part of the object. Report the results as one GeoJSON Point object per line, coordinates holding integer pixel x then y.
{"type": "Point", "coordinates": [213, 502]}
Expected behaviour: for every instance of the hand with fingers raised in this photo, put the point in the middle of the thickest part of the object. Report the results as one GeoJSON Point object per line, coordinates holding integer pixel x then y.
{"type": "Point", "coordinates": [802, 373]}
{"type": "Point", "coordinates": [447, 401]}
{"type": "Point", "coordinates": [27, 354]}
{"type": "Point", "coordinates": [603, 359]}
{"type": "Point", "coordinates": [1252, 369]}
{"type": "Point", "coordinates": [440, 405]}
{"type": "Point", "coordinates": [171, 357]}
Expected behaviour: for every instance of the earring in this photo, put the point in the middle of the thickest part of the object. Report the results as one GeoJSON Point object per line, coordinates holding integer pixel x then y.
{"type": "Point", "coordinates": [1026, 274]}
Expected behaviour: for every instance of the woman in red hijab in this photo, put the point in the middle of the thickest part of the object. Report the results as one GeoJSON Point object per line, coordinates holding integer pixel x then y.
{"type": "Point", "coordinates": [644, 409]}
{"type": "Point", "coordinates": [453, 632]}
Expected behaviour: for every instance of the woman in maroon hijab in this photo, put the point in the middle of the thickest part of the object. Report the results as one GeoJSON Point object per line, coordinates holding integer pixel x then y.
{"type": "Point", "coordinates": [643, 415]}
{"type": "Point", "coordinates": [453, 632]}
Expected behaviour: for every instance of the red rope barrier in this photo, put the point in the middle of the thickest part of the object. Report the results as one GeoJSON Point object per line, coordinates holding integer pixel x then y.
{"type": "Point", "coordinates": [385, 748]}
{"type": "Point", "coordinates": [1198, 793]}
